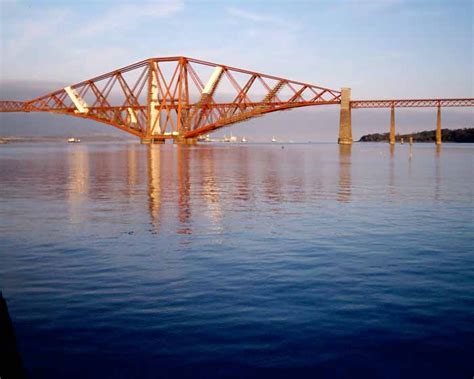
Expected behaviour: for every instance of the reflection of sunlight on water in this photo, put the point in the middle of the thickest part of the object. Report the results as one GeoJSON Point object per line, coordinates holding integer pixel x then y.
{"type": "Point", "coordinates": [184, 205]}
{"type": "Point", "coordinates": [194, 189]}
{"type": "Point", "coordinates": [210, 189]}
{"type": "Point", "coordinates": [154, 185]}
{"type": "Point", "coordinates": [438, 175]}
{"type": "Point", "coordinates": [132, 166]}
{"type": "Point", "coordinates": [78, 180]}
{"type": "Point", "coordinates": [391, 172]}
{"type": "Point", "coordinates": [271, 177]}
{"type": "Point", "coordinates": [77, 246]}
{"type": "Point", "coordinates": [205, 189]}
{"type": "Point", "coordinates": [242, 187]}
{"type": "Point", "coordinates": [345, 184]}
{"type": "Point", "coordinates": [410, 157]}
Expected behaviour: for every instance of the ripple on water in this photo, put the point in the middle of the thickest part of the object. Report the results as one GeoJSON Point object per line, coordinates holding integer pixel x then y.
{"type": "Point", "coordinates": [225, 260]}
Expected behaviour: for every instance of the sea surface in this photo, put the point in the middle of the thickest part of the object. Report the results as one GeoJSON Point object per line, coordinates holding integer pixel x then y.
{"type": "Point", "coordinates": [122, 260]}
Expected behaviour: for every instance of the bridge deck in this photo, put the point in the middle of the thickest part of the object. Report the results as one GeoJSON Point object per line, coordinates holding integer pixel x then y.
{"type": "Point", "coordinates": [412, 103]}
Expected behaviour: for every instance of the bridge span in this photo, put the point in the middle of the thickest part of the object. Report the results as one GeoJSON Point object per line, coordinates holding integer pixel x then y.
{"type": "Point", "coordinates": [181, 98]}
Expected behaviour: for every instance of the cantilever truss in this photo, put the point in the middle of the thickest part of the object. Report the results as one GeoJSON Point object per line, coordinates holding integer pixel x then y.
{"type": "Point", "coordinates": [176, 97]}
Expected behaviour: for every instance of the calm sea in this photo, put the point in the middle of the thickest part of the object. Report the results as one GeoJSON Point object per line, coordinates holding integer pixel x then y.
{"type": "Point", "coordinates": [246, 260]}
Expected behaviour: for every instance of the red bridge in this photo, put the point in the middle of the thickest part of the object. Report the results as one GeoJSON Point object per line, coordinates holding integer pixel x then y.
{"type": "Point", "coordinates": [182, 98]}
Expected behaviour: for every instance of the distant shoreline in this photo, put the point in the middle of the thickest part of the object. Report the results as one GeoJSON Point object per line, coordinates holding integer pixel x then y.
{"type": "Point", "coordinates": [465, 135]}
{"type": "Point", "coordinates": [101, 138]}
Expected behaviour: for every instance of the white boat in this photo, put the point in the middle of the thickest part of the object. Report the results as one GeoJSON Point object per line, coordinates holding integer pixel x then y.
{"type": "Point", "coordinates": [244, 139]}
{"type": "Point", "coordinates": [73, 140]}
{"type": "Point", "coordinates": [230, 139]}
{"type": "Point", "coordinates": [274, 139]}
{"type": "Point", "coordinates": [205, 138]}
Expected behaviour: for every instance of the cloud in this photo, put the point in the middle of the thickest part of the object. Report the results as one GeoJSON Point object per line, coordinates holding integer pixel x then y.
{"type": "Point", "coordinates": [126, 15]}
{"type": "Point", "coordinates": [251, 16]}
{"type": "Point", "coordinates": [367, 6]}
{"type": "Point", "coordinates": [33, 30]}
{"type": "Point", "coordinates": [282, 31]}
{"type": "Point", "coordinates": [59, 40]}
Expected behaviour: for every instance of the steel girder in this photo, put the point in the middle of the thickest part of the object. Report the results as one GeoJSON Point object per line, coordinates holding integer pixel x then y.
{"type": "Point", "coordinates": [412, 103]}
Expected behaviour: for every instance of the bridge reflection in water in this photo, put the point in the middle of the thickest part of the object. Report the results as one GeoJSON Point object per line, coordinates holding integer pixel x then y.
{"type": "Point", "coordinates": [345, 183]}
{"type": "Point", "coordinates": [186, 184]}
{"type": "Point", "coordinates": [97, 236]}
{"type": "Point", "coordinates": [78, 178]}
{"type": "Point", "coordinates": [188, 189]}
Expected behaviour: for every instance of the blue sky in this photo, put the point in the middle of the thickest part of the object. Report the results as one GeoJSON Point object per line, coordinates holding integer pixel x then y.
{"type": "Point", "coordinates": [379, 48]}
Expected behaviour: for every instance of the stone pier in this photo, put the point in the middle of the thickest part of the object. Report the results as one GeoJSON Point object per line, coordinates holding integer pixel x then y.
{"type": "Point", "coordinates": [184, 141]}
{"type": "Point", "coordinates": [438, 126]}
{"type": "Point", "coordinates": [392, 126]}
{"type": "Point", "coordinates": [152, 140]}
{"type": "Point", "coordinates": [345, 125]}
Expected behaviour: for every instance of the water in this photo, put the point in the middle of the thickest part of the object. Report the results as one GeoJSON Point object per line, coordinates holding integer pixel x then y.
{"type": "Point", "coordinates": [124, 260]}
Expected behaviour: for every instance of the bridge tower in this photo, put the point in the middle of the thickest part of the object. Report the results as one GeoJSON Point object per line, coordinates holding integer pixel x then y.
{"type": "Point", "coordinates": [345, 126]}
{"type": "Point", "coordinates": [153, 122]}
{"type": "Point", "coordinates": [438, 126]}
{"type": "Point", "coordinates": [392, 125]}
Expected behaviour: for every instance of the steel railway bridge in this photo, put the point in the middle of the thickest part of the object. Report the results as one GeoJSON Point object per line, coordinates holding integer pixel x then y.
{"type": "Point", "coordinates": [182, 98]}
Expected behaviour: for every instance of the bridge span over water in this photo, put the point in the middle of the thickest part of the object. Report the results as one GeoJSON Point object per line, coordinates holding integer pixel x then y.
{"type": "Point", "coordinates": [181, 98]}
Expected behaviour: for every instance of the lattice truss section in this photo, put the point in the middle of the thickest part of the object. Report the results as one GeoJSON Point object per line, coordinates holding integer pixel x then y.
{"type": "Point", "coordinates": [174, 96]}
{"type": "Point", "coordinates": [413, 103]}
{"type": "Point", "coordinates": [12, 106]}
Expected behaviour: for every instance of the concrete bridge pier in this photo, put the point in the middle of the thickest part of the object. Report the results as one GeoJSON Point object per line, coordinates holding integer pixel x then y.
{"type": "Point", "coordinates": [152, 140]}
{"type": "Point", "coordinates": [184, 141]}
{"type": "Point", "coordinates": [392, 126]}
{"type": "Point", "coordinates": [345, 125]}
{"type": "Point", "coordinates": [438, 126]}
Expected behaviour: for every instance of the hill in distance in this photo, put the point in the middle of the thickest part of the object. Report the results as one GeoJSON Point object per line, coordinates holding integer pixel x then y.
{"type": "Point", "coordinates": [457, 135]}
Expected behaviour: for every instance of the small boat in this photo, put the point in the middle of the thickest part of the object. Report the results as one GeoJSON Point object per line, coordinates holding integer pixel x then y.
{"type": "Point", "coordinates": [230, 139]}
{"type": "Point", "coordinates": [73, 140]}
{"type": "Point", "coordinates": [274, 139]}
{"type": "Point", "coordinates": [244, 139]}
{"type": "Point", "coordinates": [203, 138]}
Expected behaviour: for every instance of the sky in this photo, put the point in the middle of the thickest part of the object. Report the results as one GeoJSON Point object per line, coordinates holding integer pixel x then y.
{"type": "Point", "coordinates": [380, 48]}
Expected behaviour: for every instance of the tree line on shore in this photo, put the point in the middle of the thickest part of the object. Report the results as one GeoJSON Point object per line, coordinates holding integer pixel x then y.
{"type": "Point", "coordinates": [465, 135]}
